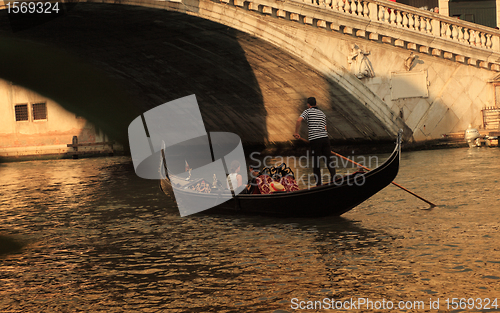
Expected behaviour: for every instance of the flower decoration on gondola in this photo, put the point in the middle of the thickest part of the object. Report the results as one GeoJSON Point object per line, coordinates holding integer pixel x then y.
{"type": "Point", "coordinates": [279, 176]}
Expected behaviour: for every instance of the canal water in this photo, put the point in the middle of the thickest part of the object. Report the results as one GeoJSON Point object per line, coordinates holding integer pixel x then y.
{"type": "Point", "coordinates": [96, 238]}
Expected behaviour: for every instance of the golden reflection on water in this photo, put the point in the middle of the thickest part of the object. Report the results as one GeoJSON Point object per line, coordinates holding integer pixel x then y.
{"type": "Point", "coordinates": [101, 239]}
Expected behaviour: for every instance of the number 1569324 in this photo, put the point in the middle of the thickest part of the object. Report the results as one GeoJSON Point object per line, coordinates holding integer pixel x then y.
{"type": "Point", "coordinates": [32, 7]}
{"type": "Point", "coordinates": [471, 303]}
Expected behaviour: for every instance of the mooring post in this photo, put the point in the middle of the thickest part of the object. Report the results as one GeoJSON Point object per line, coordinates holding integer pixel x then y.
{"type": "Point", "coordinates": [74, 143]}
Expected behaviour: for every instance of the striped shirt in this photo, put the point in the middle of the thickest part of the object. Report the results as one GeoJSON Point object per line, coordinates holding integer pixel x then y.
{"type": "Point", "coordinates": [316, 122]}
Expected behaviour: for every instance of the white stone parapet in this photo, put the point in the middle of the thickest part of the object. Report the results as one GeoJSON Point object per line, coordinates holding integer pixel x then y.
{"type": "Point", "coordinates": [390, 22]}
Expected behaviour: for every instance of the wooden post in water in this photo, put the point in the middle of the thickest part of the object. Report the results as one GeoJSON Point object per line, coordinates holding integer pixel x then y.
{"type": "Point", "coordinates": [75, 142]}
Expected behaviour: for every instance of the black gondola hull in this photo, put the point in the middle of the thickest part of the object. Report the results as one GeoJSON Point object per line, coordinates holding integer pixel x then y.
{"type": "Point", "coordinates": [333, 199]}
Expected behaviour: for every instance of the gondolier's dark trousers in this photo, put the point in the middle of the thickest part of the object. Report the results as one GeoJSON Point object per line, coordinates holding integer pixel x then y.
{"type": "Point", "coordinates": [320, 150]}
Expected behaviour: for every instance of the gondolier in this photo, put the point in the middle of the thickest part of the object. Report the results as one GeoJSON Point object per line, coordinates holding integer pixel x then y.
{"type": "Point", "coordinates": [318, 138]}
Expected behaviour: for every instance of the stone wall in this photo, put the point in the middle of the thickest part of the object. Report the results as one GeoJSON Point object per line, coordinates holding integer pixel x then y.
{"type": "Point", "coordinates": [456, 92]}
{"type": "Point", "coordinates": [32, 137]}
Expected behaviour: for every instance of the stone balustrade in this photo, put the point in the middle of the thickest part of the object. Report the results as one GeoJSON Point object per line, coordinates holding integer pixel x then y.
{"type": "Point", "coordinates": [418, 20]}
{"type": "Point", "coordinates": [392, 23]}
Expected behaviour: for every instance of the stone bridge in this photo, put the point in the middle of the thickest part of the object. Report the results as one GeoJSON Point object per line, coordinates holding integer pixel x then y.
{"type": "Point", "coordinates": [374, 66]}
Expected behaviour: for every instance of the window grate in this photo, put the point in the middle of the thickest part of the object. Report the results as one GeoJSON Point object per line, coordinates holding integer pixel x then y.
{"type": "Point", "coordinates": [491, 118]}
{"type": "Point", "coordinates": [39, 111]}
{"type": "Point", "coordinates": [21, 112]}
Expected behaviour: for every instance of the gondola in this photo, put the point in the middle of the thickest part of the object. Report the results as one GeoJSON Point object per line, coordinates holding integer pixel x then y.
{"type": "Point", "coordinates": [333, 199]}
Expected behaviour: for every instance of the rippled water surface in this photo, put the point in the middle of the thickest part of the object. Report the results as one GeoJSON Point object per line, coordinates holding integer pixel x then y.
{"type": "Point", "coordinates": [98, 238]}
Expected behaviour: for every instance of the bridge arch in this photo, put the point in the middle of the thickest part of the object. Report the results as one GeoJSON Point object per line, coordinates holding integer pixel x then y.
{"type": "Point", "coordinates": [312, 36]}
{"type": "Point", "coordinates": [313, 46]}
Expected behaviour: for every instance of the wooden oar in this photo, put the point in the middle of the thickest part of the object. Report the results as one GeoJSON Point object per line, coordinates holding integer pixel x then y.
{"type": "Point", "coordinates": [398, 185]}
{"type": "Point", "coordinates": [366, 168]}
